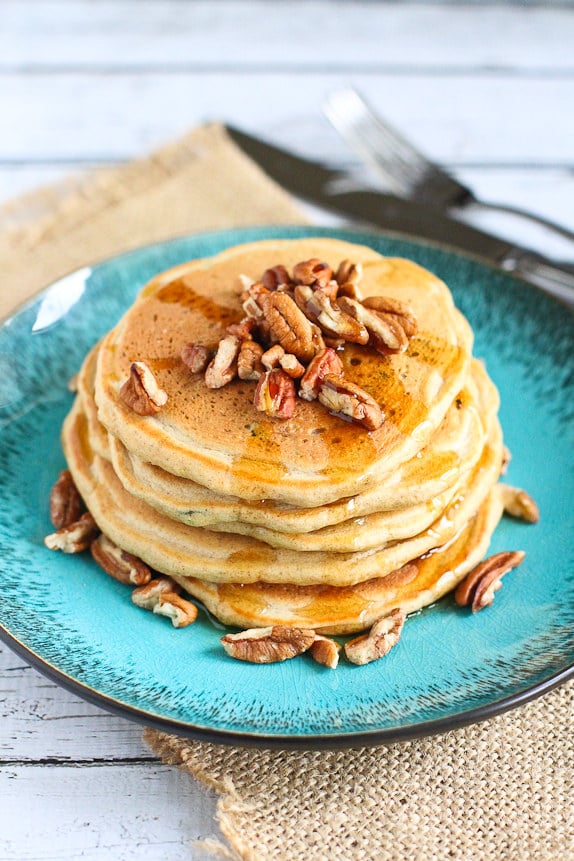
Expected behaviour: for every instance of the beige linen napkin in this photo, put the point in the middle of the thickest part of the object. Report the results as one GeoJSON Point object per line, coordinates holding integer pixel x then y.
{"type": "Point", "coordinates": [498, 790]}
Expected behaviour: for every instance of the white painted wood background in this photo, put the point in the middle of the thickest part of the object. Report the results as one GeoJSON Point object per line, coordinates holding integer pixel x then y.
{"type": "Point", "coordinates": [487, 90]}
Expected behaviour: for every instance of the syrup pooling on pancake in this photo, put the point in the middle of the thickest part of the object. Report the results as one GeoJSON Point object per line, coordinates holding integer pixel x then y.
{"type": "Point", "coordinates": [307, 521]}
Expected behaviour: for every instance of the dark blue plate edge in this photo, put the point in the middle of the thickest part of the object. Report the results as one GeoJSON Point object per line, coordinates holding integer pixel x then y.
{"type": "Point", "coordinates": [283, 742]}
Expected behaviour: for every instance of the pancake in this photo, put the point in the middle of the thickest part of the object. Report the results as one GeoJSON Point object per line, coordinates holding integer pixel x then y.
{"type": "Point", "coordinates": [346, 610]}
{"type": "Point", "coordinates": [175, 548]}
{"type": "Point", "coordinates": [217, 439]}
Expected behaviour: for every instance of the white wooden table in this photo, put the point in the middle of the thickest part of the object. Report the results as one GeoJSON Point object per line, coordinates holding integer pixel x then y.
{"type": "Point", "coordinates": [487, 91]}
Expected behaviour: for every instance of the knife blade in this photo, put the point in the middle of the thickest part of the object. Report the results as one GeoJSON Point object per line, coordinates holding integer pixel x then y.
{"type": "Point", "coordinates": [322, 185]}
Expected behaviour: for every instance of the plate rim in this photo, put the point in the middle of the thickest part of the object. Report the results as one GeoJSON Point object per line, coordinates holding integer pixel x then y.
{"type": "Point", "coordinates": [243, 738]}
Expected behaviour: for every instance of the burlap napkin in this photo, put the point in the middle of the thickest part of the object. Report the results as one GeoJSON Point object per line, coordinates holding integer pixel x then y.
{"type": "Point", "coordinates": [498, 790]}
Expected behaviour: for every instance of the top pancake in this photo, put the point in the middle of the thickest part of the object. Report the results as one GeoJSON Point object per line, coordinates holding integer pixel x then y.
{"type": "Point", "coordinates": [216, 438]}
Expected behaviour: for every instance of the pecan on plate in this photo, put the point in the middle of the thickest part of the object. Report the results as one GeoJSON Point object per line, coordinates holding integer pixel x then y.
{"type": "Point", "coordinates": [384, 634]}
{"type": "Point", "coordinates": [519, 504]}
{"type": "Point", "coordinates": [386, 333]}
{"type": "Point", "coordinates": [223, 367]}
{"type": "Point", "coordinates": [141, 392]}
{"type": "Point", "coordinates": [268, 645]}
{"type": "Point", "coordinates": [288, 326]}
{"type": "Point", "coordinates": [147, 596]}
{"type": "Point", "coordinates": [74, 538]}
{"type": "Point", "coordinates": [275, 394]}
{"type": "Point", "coordinates": [118, 563]}
{"type": "Point", "coordinates": [342, 397]}
{"type": "Point", "coordinates": [276, 277]}
{"type": "Point", "coordinates": [66, 504]}
{"type": "Point", "coordinates": [325, 362]}
{"type": "Point", "coordinates": [292, 366]}
{"type": "Point", "coordinates": [348, 277]}
{"type": "Point", "coordinates": [325, 651]}
{"type": "Point", "coordinates": [479, 586]}
{"type": "Point", "coordinates": [272, 357]}
{"type": "Point", "coordinates": [252, 299]}
{"type": "Point", "coordinates": [195, 357]}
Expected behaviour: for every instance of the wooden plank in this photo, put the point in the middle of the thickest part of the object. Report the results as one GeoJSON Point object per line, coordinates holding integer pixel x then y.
{"type": "Point", "coordinates": [41, 721]}
{"type": "Point", "coordinates": [124, 812]}
{"type": "Point", "coordinates": [319, 34]}
{"type": "Point", "coordinates": [460, 120]}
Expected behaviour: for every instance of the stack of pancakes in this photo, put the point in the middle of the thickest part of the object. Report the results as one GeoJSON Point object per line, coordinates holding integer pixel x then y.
{"type": "Point", "coordinates": [312, 521]}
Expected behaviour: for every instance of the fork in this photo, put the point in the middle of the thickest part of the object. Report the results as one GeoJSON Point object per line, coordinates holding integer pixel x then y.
{"type": "Point", "coordinates": [402, 167]}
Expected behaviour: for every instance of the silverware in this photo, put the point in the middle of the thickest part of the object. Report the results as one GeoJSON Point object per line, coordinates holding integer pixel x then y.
{"type": "Point", "coordinates": [404, 169]}
{"type": "Point", "coordinates": [322, 185]}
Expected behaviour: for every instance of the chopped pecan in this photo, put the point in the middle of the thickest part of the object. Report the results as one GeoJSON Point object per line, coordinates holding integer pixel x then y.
{"type": "Point", "coordinates": [272, 357]}
{"type": "Point", "coordinates": [386, 333]}
{"type": "Point", "coordinates": [292, 366]}
{"type": "Point", "coordinates": [252, 299]}
{"type": "Point", "coordinates": [344, 398]}
{"type": "Point", "coordinates": [317, 306]}
{"type": "Point", "coordinates": [519, 504]}
{"type": "Point", "coordinates": [312, 272]}
{"type": "Point", "coordinates": [479, 586]}
{"type": "Point", "coordinates": [275, 394]}
{"type": "Point", "coordinates": [249, 365]}
{"type": "Point", "coordinates": [403, 312]}
{"type": "Point", "coordinates": [384, 634]}
{"type": "Point", "coordinates": [147, 596]}
{"type": "Point", "coordinates": [348, 276]}
{"type": "Point", "coordinates": [289, 326]}
{"type": "Point", "coordinates": [195, 357]}
{"type": "Point", "coordinates": [74, 538]}
{"type": "Point", "coordinates": [244, 329]}
{"type": "Point", "coordinates": [275, 277]}
{"type": "Point", "coordinates": [268, 645]}
{"type": "Point", "coordinates": [326, 362]}
{"type": "Point", "coordinates": [118, 563]}
{"type": "Point", "coordinates": [223, 367]}
{"type": "Point", "coordinates": [176, 608]}
{"type": "Point", "coordinates": [141, 392]}
{"type": "Point", "coordinates": [66, 504]}
{"type": "Point", "coordinates": [325, 651]}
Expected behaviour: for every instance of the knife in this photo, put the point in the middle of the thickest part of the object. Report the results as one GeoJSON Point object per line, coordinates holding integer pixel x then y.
{"type": "Point", "coordinates": [323, 185]}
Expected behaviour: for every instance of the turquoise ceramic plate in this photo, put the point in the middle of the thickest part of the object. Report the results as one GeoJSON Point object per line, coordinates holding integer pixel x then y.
{"type": "Point", "coordinates": [449, 669]}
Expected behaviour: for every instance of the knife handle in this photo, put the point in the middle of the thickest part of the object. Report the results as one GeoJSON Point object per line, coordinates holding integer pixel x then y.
{"type": "Point", "coordinates": [541, 272]}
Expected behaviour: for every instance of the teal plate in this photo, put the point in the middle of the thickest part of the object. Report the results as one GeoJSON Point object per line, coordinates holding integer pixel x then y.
{"type": "Point", "coordinates": [451, 668]}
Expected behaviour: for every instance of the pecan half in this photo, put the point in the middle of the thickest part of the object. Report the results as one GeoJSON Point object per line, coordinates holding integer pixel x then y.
{"type": "Point", "coordinates": [268, 645]}
{"type": "Point", "coordinates": [195, 357]}
{"type": "Point", "coordinates": [275, 277]}
{"type": "Point", "coordinates": [275, 394]}
{"type": "Point", "coordinates": [344, 398]}
{"type": "Point", "coordinates": [325, 362]}
{"type": "Point", "coordinates": [288, 326]}
{"type": "Point", "coordinates": [66, 504]}
{"type": "Point", "coordinates": [313, 271]}
{"type": "Point", "coordinates": [385, 331]}
{"type": "Point", "coordinates": [223, 367]}
{"type": "Point", "coordinates": [147, 596]}
{"type": "Point", "coordinates": [319, 308]}
{"type": "Point", "coordinates": [118, 563]}
{"type": "Point", "coordinates": [479, 586]}
{"type": "Point", "coordinates": [141, 392]}
{"type": "Point", "coordinates": [325, 651]}
{"type": "Point", "coordinates": [176, 608]}
{"type": "Point", "coordinates": [384, 634]}
{"type": "Point", "coordinates": [249, 365]}
{"type": "Point", "coordinates": [74, 538]}
{"type": "Point", "coordinates": [519, 504]}
{"type": "Point", "coordinates": [400, 310]}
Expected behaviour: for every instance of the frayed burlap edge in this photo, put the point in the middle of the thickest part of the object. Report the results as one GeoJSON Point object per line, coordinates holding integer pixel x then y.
{"type": "Point", "coordinates": [502, 789]}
